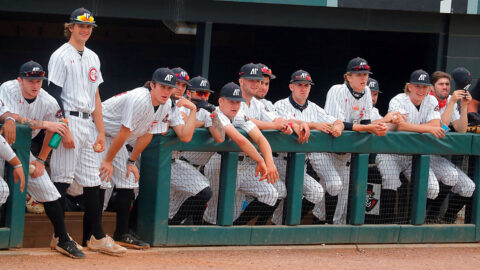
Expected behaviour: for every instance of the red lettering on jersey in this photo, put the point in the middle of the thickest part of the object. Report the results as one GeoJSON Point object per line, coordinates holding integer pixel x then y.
{"type": "Point", "coordinates": [92, 74]}
{"type": "Point", "coordinates": [346, 100]}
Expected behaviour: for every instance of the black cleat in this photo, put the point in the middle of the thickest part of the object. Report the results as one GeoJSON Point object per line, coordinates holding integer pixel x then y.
{"type": "Point", "coordinates": [130, 241]}
{"type": "Point", "coordinates": [70, 249]}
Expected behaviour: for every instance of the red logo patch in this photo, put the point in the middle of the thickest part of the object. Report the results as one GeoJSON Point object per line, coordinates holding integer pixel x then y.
{"type": "Point", "coordinates": [92, 74]}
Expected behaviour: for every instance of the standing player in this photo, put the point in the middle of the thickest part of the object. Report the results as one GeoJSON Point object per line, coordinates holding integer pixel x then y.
{"type": "Point", "coordinates": [189, 188]}
{"type": "Point", "coordinates": [265, 86]}
{"type": "Point", "coordinates": [133, 116]}
{"type": "Point", "coordinates": [26, 100]}
{"type": "Point", "coordinates": [423, 116]}
{"type": "Point", "coordinates": [350, 102]}
{"type": "Point", "coordinates": [251, 163]}
{"type": "Point", "coordinates": [297, 108]}
{"type": "Point", "coordinates": [74, 78]}
{"type": "Point", "coordinates": [450, 177]}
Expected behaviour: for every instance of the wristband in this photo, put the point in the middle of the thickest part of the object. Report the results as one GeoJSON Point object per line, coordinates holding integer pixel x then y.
{"type": "Point", "coordinates": [17, 166]}
{"type": "Point", "coordinates": [290, 124]}
{"type": "Point", "coordinates": [41, 161]}
{"type": "Point", "coordinates": [130, 162]}
{"type": "Point", "coordinates": [9, 118]}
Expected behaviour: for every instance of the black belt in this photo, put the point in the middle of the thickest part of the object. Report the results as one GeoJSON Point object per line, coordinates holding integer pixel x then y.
{"type": "Point", "coordinates": [186, 160]}
{"type": "Point", "coordinates": [241, 158]}
{"type": "Point", "coordinates": [80, 114]}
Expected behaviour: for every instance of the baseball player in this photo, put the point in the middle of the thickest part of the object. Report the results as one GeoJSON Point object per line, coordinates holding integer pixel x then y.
{"type": "Point", "coordinates": [297, 108]}
{"type": "Point", "coordinates": [265, 86]}
{"type": "Point", "coordinates": [74, 78]}
{"type": "Point", "coordinates": [189, 188]}
{"type": "Point", "coordinates": [248, 182]}
{"type": "Point", "coordinates": [133, 116]}
{"type": "Point", "coordinates": [26, 100]}
{"type": "Point", "coordinates": [391, 119]}
{"type": "Point", "coordinates": [450, 177]}
{"type": "Point", "coordinates": [350, 102]}
{"type": "Point", "coordinates": [422, 114]}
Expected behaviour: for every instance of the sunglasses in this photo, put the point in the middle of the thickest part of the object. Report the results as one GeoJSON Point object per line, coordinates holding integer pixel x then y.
{"type": "Point", "coordinates": [364, 67]}
{"type": "Point", "coordinates": [85, 18]}
{"type": "Point", "coordinates": [33, 74]}
{"type": "Point", "coordinates": [267, 71]}
{"type": "Point", "coordinates": [204, 94]}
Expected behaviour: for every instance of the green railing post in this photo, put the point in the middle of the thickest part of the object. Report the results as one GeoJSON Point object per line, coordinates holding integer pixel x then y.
{"type": "Point", "coordinates": [359, 174]}
{"type": "Point", "coordinates": [154, 194]}
{"type": "Point", "coordinates": [226, 192]}
{"type": "Point", "coordinates": [420, 168]}
{"type": "Point", "coordinates": [294, 181]}
{"type": "Point", "coordinates": [476, 198]}
{"type": "Point", "coordinates": [15, 206]}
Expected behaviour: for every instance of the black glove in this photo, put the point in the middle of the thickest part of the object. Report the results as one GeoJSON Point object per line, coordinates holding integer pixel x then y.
{"type": "Point", "coordinates": [201, 104]}
{"type": "Point", "coordinates": [462, 78]}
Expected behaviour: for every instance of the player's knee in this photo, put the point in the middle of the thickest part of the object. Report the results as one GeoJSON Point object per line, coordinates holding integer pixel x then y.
{"type": "Point", "coordinates": [433, 191]}
{"type": "Point", "coordinates": [3, 196]}
{"type": "Point", "coordinates": [269, 197]}
{"type": "Point", "coordinates": [205, 194]}
{"type": "Point", "coordinates": [391, 183]}
{"type": "Point", "coordinates": [334, 186]}
{"type": "Point", "coordinates": [450, 178]}
{"type": "Point", "coordinates": [315, 195]}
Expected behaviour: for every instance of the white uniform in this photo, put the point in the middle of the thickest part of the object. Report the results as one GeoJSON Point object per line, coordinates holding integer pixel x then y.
{"type": "Point", "coordinates": [312, 190]}
{"type": "Point", "coordinates": [79, 77]}
{"type": "Point", "coordinates": [186, 180]}
{"type": "Point", "coordinates": [6, 153]}
{"type": "Point", "coordinates": [342, 105]}
{"type": "Point", "coordinates": [268, 104]}
{"type": "Point", "coordinates": [43, 108]}
{"type": "Point", "coordinates": [390, 166]}
{"type": "Point", "coordinates": [133, 110]}
{"type": "Point", "coordinates": [375, 115]}
{"type": "Point", "coordinates": [247, 183]}
{"type": "Point", "coordinates": [447, 172]}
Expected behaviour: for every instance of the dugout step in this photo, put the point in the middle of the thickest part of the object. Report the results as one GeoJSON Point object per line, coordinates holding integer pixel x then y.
{"type": "Point", "coordinates": [38, 229]}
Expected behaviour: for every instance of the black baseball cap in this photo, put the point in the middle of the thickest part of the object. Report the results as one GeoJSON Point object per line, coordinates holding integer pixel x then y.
{"type": "Point", "coordinates": [358, 65]}
{"type": "Point", "coordinates": [181, 75]}
{"type": "Point", "coordinates": [251, 71]}
{"type": "Point", "coordinates": [232, 91]}
{"type": "Point", "coordinates": [301, 76]}
{"type": "Point", "coordinates": [32, 70]}
{"type": "Point", "coordinates": [373, 85]}
{"type": "Point", "coordinates": [165, 76]}
{"type": "Point", "coordinates": [200, 83]}
{"type": "Point", "coordinates": [82, 16]}
{"type": "Point", "coordinates": [420, 77]}
{"type": "Point", "coordinates": [462, 78]}
{"type": "Point", "coordinates": [266, 71]}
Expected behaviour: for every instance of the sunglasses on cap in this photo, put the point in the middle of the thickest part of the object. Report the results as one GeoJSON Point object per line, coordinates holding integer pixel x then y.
{"type": "Point", "coordinates": [180, 77]}
{"type": "Point", "coordinates": [363, 67]}
{"type": "Point", "coordinates": [204, 94]}
{"type": "Point", "coordinates": [34, 74]}
{"type": "Point", "coordinates": [85, 18]}
{"type": "Point", "coordinates": [266, 70]}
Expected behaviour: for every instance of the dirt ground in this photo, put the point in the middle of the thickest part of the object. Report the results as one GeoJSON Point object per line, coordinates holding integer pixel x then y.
{"type": "Point", "coordinates": [435, 256]}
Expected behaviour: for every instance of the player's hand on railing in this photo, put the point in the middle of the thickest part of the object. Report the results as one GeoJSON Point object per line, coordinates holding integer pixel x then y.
{"type": "Point", "coordinates": [106, 171]}
{"type": "Point", "coordinates": [379, 129]}
{"type": "Point", "coordinates": [438, 132]}
{"type": "Point", "coordinates": [336, 131]}
{"type": "Point", "coordinates": [9, 132]}
{"type": "Point", "coordinates": [302, 131]}
{"type": "Point", "coordinates": [131, 168]}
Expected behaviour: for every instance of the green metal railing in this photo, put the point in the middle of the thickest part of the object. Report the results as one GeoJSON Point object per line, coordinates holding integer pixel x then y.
{"type": "Point", "coordinates": [12, 234]}
{"type": "Point", "coordinates": [155, 190]}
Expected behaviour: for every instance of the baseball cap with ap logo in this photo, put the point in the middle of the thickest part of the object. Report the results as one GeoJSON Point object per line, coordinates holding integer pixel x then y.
{"type": "Point", "coordinates": [251, 71]}
{"type": "Point", "coordinates": [358, 65]}
{"type": "Point", "coordinates": [165, 76]}
{"type": "Point", "coordinates": [232, 91]}
{"type": "Point", "coordinates": [420, 77]}
{"type": "Point", "coordinates": [301, 76]}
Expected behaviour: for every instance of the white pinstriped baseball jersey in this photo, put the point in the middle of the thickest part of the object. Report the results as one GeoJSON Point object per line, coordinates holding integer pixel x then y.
{"type": "Point", "coordinates": [428, 109]}
{"type": "Point", "coordinates": [78, 75]}
{"type": "Point", "coordinates": [375, 114]}
{"type": "Point", "coordinates": [312, 112]}
{"type": "Point", "coordinates": [134, 110]}
{"type": "Point", "coordinates": [43, 108]}
{"type": "Point", "coordinates": [342, 105]}
{"type": "Point", "coordinates": [6, 152]}
{"type": "Point", "coordinates": [176, 117]}
{"type": "Point", "coordinates": [241, 120]}
{"type": "Point", "coordinates": [268, 104]}
{"type": "Point", "coordinates": [455, 112]}
{"type": "Point", "coordinates": [257, 110]}
{"type": "Point", "coordinates": [201, 158]}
